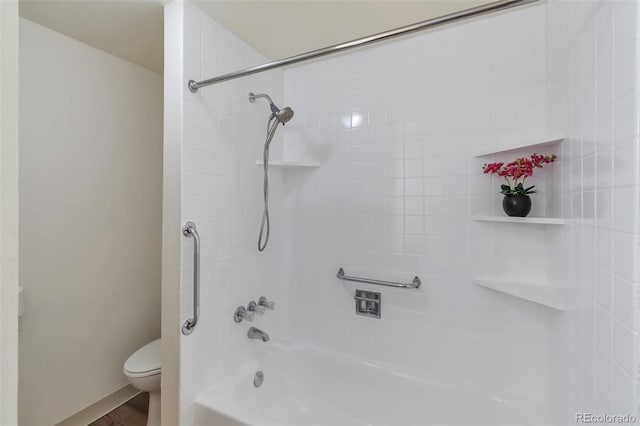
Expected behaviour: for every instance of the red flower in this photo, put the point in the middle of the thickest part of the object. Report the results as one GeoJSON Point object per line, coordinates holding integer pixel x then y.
{"type": "Point", "coordinates": [492, 168]}
{"type": "Point", "coordinates": [540, 160]}
{"type": "Point", "coordinates": [520, 168]}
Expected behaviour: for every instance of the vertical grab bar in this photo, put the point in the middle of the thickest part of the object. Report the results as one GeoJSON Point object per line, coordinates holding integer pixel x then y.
{"type": "Point", "coordinates": [189, 230]}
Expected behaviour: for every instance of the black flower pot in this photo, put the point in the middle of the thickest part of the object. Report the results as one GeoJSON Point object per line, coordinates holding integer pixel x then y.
{"type": "Point", "coordinates": [516, 205]}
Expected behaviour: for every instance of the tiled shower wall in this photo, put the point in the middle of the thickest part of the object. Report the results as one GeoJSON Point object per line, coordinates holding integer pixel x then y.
{"type": "Point", "coordinates": [395, 128]}
{"type": "Point", "coordinates": [593, 100]}
{"type": "Point", "coordinates": [222, 137]}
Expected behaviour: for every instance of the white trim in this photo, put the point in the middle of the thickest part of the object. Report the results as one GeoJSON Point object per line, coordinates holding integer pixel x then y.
{"type": "Point", "coordinates": [101, 408]}
{"type": "Point", "coordinates": [531, 220]}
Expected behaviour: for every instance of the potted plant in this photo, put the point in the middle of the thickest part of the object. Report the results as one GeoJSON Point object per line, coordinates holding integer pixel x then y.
{"type": "Point", "coordinates": [516, 201]}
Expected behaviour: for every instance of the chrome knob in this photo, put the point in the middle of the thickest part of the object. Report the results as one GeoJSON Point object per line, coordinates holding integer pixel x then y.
{"type": "Point", "coordinates": [263, 302]}
{"type": "Point", "coordinates": [254, 307]}
{"type": "Point", "coordinates": [241, 313]}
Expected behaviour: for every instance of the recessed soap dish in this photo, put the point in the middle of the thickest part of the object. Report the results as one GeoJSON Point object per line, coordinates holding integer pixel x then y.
{"type": "Point", "coordinates": [368, 303]}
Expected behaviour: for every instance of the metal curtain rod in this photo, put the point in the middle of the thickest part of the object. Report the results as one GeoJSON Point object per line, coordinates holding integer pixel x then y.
{"type": "Point", "coordinates": [336, 48]}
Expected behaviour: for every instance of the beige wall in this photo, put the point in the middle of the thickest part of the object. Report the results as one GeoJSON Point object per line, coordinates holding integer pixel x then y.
{"type": "Point", "coordinates": [8, 212]}
{"type": "Point", "coordinates": [173, 90]}
{"type": "Point", "coordinates": [90, 207]}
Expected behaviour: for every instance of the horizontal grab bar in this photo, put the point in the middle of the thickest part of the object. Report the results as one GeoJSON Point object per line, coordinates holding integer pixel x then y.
{"type": "Point", "coordinates": [414, 284]}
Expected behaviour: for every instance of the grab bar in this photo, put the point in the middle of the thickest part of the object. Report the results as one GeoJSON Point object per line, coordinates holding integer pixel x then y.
{"type": "Point", "coordinates": [414, 284]}
{"type": "Point", "coordinates": [189, 230]}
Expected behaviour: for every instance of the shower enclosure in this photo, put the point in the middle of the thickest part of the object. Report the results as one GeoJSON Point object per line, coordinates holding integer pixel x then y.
{"type": "Point", "coordinates": [529, 321]}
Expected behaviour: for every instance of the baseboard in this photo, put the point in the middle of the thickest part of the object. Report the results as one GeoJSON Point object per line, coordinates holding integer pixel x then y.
{"type": "Point", "coordinates": [100, 408]}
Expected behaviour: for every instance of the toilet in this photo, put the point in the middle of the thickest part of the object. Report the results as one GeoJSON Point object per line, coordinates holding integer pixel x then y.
{"type": "Point", "coordinates": [143, 371]}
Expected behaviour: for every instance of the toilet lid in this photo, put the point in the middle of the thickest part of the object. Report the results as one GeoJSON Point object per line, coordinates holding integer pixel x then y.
{"type": "Point", "coordinates": [144, 360]}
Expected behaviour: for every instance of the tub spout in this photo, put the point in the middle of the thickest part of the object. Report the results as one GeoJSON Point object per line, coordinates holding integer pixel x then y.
{"type": "Point", "coordinates": [256, 333]}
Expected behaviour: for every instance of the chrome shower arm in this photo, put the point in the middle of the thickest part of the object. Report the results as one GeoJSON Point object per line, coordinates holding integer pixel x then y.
{"type": "Point", "coordinates": [274, 109]}
{"type": "Point", "coordinates": [253, 97]}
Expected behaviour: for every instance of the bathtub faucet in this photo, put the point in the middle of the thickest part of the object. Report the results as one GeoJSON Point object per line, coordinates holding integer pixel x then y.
{"type": "Point", "coordinates": [255, 333]}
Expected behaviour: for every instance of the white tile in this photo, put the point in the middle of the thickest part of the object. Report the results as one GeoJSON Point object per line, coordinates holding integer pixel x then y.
{"type": "Point", "coordinates": [395, 224]}
{"type": "Point", "coordinates": [434, 206]}
{"type": "Point", "coordinates": [604, 334]}
{"type": "Point", "coordinates": [626, 163]}
{"type": "Point", "coordinates": [625, 349]}
{"type": "Point", "coordinates": [625, 255]}
{"type": "Point", "coordinates": [413, 130]}
{"type": "Point", "coordinates": [191, 137]}
{"type": "Point", "coordinates": [414, 206]}
{"type": "Point", "coordinates": [414, 149]}
{"type": "Point", "coordinates": [626, 117]}
{"type": "Point", "coordinates": [604, 289]}
{"type": "Point", "coordinates": [434, 166]}
{"type": "Point", "coordinates": [395, 169]}
{"type": "Point", "coordinates": [625, 22]}
{"type": "Point", "coordinates": [413, 244]}
{"type": "Point", "coordinates": [414, 225]}
{"type": "Point", "coordinates": [604, 209]}
{"type": "Point", "coordinates": [435, 225]}
{"type": "Point", "coordinates": [192, 114]}
{"type": "Point", "coordinates": [192, 30]}
{"type": "Point", "coordinates": [414, 167]}
{"type": "Point", "coordinates": [456, 165]}
{"type": "Point", "coordinates": [434, 186]}
{"type": "Point", "coordinates": [359, 153]}
{"type": "Point", "coordinates": [625, 392]}
{"type": "Point", "coordinates": [414, 186]}
{"type": "Point", "coordinates": [589, 172]}
{"type": "Point", "coordinates": [625, 302]}
{"type": "Point", "coordinates": [625, 61]}
{"type": "Point", "coordinates": [626, 209]}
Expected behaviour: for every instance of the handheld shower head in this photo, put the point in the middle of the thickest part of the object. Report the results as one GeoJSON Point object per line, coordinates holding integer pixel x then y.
{"type": "Point", "coordinates": [282, 115]}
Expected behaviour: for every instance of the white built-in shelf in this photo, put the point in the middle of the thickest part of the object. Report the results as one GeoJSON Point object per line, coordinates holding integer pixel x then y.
{"type": "Point", "coordinates": [510, 219]}
{"type": "Point", "coordinates": [533, 146]}
{"type": "Point", "coordinates": [288, 164]}
{"type": "Point", "coordinates": [541, 294]}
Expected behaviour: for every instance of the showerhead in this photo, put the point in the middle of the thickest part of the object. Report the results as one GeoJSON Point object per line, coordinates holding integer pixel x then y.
{"type": "Point", "coordinates": [282, 115]}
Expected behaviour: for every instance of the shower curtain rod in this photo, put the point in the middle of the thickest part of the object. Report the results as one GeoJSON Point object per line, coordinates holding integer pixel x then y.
{"type": "Point", "coordinates": [336, 48]}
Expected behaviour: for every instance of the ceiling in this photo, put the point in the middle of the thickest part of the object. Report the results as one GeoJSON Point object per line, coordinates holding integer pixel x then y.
{"type": "Point", "coordinates": [133, 29]}
{"type": "Point", "coordinates": [281, 28]}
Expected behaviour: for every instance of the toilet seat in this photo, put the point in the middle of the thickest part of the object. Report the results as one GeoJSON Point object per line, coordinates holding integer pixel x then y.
{"type": "Point", "coordinates": [145, 361]}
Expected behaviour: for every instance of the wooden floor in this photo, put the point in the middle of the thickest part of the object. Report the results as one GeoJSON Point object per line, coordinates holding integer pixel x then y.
{"type": "Point", "coordinates": [132, 413]}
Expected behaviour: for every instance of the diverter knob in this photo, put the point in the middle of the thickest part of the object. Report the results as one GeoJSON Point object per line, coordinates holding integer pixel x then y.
{"type": "Point", "coordinates": [263, 302]}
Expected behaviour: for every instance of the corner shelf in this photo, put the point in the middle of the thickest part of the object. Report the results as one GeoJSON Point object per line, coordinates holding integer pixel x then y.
{"type": "Point", "coordinates": [542, 294]}
{"type": "Point", "coordinates": [529, 287]}
{"type": "Point", "coordinates": [532, 220]}
{"type": "Point", "coordinates": [288, 164]}
{"type": "Point", "coordinates": [537, 145]}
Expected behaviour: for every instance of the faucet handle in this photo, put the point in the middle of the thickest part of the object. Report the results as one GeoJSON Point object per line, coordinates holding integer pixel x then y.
{"type": "Point", "coordinates": [263, 302]}
{"type": "Point", "coordinates": [254, 307]}
{"type": "Point", "coordinates": [241, 313]}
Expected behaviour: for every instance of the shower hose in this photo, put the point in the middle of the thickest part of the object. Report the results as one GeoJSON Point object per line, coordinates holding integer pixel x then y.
{"type": "Point", "coordinates": [272, 125]}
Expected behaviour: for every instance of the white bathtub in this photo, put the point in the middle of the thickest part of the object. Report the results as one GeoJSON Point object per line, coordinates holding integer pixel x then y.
{"type": "Point", "coordinates": [305, 385]}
